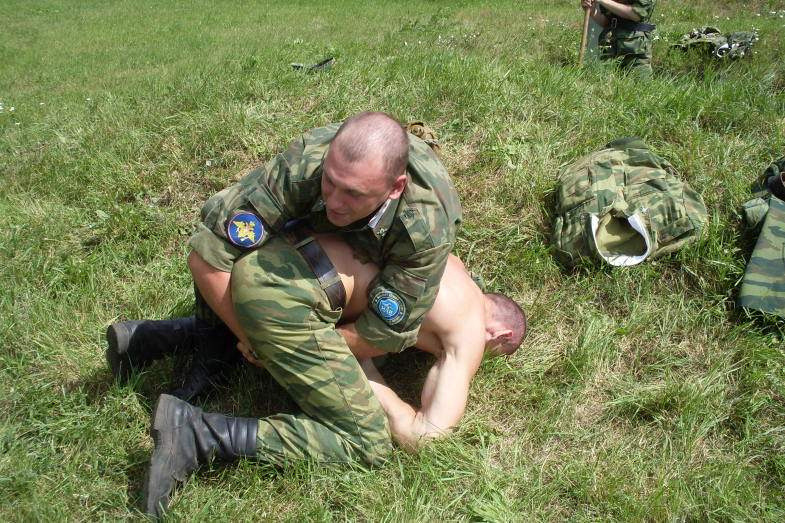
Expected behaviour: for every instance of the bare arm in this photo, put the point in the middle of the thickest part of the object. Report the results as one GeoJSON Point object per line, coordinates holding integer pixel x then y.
{"type": "Point", "coordinates": [595, 13]}
{"type": "Point", "coordinates": [444, 394]}
{"type": "Point", "coordinates": [446, 389]}
{"type": "Point", "coordinates": [357, 344]}
{"type": "Point", "coordinates": [213, 284]}
{"type": "Point", "coordinates": [407, 425]}
{"type": "Point", "coordinates": [620, 9]}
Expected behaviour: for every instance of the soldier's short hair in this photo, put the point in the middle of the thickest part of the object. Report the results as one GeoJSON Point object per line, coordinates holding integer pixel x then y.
{"type": "Point", "coordinates": [511, 315]}
{"type": "Point", "coordinates": [374, 133]}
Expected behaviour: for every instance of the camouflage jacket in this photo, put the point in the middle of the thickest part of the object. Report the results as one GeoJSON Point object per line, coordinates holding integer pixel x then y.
{"type": "Point", "coordinates": [408, 238]}
{"type": "Point", "coordinates": [763, 285]}
{"type": "Point", "coordinates": [623, 205]}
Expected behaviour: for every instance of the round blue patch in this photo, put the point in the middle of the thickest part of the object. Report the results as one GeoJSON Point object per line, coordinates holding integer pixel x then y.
{"type": "Point", "coordinates": [389, 307]}
{"type": "Point", "coordinates": [245, 229]}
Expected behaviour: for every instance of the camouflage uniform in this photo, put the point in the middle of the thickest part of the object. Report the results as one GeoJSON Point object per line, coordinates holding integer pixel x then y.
{"type": "Point", "coordinates": [409, 238]}
{"type": "Point", "coordinates": [291, 326]}
{"type": "Point", "coordinates": [623, 205]}
{"type": "Point", "coordinates": [286, 313]}
{"type": "Point", "coordinates": [763, 286]}
{"type": "Point", "coordinates": [623, 41]}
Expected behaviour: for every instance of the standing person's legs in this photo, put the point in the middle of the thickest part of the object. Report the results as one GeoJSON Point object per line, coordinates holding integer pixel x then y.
{"type": "Point", "coordinates": [290, 324]}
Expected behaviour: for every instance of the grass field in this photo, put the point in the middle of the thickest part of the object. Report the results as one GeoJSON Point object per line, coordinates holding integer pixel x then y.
{"type": "Point", "coordinates": [640, 394]}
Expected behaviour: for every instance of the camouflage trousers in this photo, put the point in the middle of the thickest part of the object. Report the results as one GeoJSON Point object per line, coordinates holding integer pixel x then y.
{"type": "Point", "coordinates": [291, 326]}
{"type": "Point", "coordinates": [631, 49]}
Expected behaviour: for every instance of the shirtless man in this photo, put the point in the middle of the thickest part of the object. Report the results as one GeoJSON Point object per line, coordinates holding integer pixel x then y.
{"type": "Point", "coordinates": [463, 324]}
{"type": "Point", "coordinates": [289, 325]}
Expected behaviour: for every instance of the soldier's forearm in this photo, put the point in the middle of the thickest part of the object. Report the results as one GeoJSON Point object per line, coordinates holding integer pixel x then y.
{"type": "Point", "coordinates": [619, 9]}
{"type": "Point", "coordinates": [357, 344]}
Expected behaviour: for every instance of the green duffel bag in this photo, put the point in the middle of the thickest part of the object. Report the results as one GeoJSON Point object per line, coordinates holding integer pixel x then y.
{"type": "Point", "coordinates": [623, 205]}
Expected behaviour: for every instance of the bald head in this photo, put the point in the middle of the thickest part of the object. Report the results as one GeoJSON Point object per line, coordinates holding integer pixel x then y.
{"type": "Point", "coordinates": [374, 135]}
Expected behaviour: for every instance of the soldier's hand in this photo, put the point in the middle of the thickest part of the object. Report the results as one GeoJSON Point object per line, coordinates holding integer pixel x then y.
{"type": "Point", "coordinates": [247, 354]}
{"type": "Point", "coordinates": [586, 4]}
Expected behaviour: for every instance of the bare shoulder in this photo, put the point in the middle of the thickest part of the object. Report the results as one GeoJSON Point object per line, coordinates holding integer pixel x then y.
{"type": "Point", "coordinates": [459, 303]}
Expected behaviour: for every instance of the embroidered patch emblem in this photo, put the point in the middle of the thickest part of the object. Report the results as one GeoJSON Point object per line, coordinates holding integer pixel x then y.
{"type": "Point", "coordinates": [389, 307]}
{"type": "Point", "coordinates": [245, 229]}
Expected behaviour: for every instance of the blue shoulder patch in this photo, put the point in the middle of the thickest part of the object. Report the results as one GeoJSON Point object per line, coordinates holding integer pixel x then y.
{"type": "Point", "coordinates": [389, 307]}
{"type": "Point", "coordinates": [245, 229]}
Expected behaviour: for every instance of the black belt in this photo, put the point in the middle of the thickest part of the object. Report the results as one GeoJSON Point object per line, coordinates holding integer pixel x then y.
{"type": "Point", "coordinates": [629, 25]}
{"type": "Point", "coordinates": [324, 270]}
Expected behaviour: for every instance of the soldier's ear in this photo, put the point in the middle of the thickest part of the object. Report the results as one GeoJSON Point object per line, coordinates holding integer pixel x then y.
{"type": "Point", "coordinates": [398, 186]}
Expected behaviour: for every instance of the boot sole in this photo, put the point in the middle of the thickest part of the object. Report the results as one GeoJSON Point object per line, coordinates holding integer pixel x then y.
{"type": "Point", "coordinates": [118, 339]}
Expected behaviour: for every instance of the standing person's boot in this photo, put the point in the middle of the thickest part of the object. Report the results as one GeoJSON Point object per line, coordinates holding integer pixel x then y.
{"type": "Point", "coordinates": [214, 359]}
{"type": "Point", "coordinates": [132, 345]}
{"type": "Point", "coordinates": [186, 437]}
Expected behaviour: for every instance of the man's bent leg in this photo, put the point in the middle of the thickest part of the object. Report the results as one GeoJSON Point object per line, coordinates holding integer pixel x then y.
{"type": "Point", "coordinates": [132, 345]}
{"type": "Point", "coordinates": [291, 327]}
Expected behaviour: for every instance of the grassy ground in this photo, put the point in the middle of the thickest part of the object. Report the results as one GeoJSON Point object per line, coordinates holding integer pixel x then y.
{"type": "Point", "coordinates": [641, 393]}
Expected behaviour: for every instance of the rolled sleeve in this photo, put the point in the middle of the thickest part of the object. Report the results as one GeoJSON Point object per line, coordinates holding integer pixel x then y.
{"type": "Point", "coordinates": [399, 297]}
{"type": "Point", "coordinates": [643, 8]}
{"type": "Point", "coordinates": [213, 249]}
{"type": "Point", "coordinates": [282, 189]}
{"type": "Point", "coordinates": [210, 239]}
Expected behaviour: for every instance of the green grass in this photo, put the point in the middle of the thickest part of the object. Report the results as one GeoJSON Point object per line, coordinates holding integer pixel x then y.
{"type": "Point", "coordinates": [640, 394]}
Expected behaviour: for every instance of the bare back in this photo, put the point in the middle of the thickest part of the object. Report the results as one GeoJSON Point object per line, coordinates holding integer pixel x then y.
{"type": "Point", "coordinates": [459, 305]}
{"type": "Point", "coordinates": [454, 330]}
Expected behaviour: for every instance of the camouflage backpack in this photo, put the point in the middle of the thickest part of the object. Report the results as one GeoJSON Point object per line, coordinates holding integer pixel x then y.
{"type": "Point", "coordinates": [733, 45]}
{"type": "Point", "coordinates": [623, 205]}
{"type": "Point", "coordinates": [763, 286]}
{"type": "Point", "coordinates": [425, 133]}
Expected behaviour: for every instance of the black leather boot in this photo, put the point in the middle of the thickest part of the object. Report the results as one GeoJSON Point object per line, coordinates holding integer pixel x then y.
{"type": "Point", "coordinates": [132, 345]}
{"type": "Point", "coordinates": [214, 360]}
{"type": "Point", "coordinates": [186, 437]}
